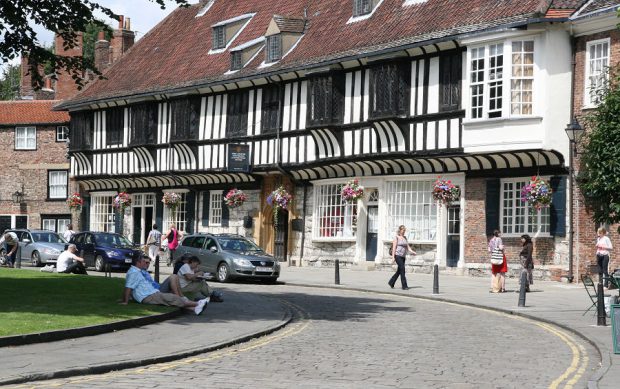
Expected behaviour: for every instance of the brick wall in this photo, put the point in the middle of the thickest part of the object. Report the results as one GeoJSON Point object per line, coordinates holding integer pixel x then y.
{"type": "Point", "coordinates": [30, 167]}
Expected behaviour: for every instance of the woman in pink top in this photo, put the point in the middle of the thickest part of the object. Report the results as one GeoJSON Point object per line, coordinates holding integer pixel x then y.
{"type": "Point", "coordinates": [603, 245]}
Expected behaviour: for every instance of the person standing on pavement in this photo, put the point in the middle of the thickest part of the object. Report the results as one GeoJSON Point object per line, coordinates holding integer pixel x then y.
{"type": "Point", "coordinates": [11, 244]}
{"type": "Point", "coordinates": [153, 241]}
{"type": "Point", "coordinates": [603, 245]}
{"type": "Point", "coordinates": [498, 272]}
{"type": "Point", "coordinates": [527, 261]}
{"type": "Point", "coordinates": [400, 248]}
{"type": "Point", "coordinates": [173, 240]}
{"type": "Point", "coordinates": [68, 232]}
{"type": "Point", "coordinates": [68, 262]}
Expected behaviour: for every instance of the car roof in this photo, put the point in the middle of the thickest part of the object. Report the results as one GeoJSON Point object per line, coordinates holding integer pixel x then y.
{"type": "Point", "coordinates": [214, 235]}
{"type": "Point", "coordinates": [27, 230]}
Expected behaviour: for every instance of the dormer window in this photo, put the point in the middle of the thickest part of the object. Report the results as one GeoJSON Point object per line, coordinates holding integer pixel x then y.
{"type": "Point", "coordinates": [236, 62]}
{"type": "Point", "coordinates": [361, 7]}
{"type": "Point", "coordinates": [274, 48]}
{"type": "Point", "coordinates": [219, 37]}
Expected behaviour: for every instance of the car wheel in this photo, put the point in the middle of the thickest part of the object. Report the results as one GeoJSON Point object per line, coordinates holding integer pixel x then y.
{"type": "Point", "coordinates": [223, 272]}
{"type": "Point", "coordinates": [99, 263]}
{"type": "Point", "coordinates": [36, 259]}
{"type": "Point", "coordinates": [3, 260]}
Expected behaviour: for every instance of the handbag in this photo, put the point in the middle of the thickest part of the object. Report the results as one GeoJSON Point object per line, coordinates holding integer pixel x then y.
{"type": "Point", "coordinates": [497, 256]}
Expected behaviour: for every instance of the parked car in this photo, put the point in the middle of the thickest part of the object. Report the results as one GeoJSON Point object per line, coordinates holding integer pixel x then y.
{"type": "Point", "coordinates": [40, 247]}
{"type": "Point", "coordinates": [230, 256]}
{"type": "Point", "coordinates": [99, 248]}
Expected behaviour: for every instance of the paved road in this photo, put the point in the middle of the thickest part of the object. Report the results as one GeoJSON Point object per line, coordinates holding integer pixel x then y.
{"type": "Point", "coordinates": [345, 339]}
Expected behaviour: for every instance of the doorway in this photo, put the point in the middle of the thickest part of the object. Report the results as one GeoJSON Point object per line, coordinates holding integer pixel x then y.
{"type": "Point", "coordinates": [281, 236]}
{"type": "Point", "coordinates": [143, 209]}
{"type": "Point", "coordinates": [453, 251]}
{"type": "Point", "coordinates": [372, 232]}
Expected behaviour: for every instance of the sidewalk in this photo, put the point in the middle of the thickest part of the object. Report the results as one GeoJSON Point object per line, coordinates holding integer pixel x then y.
{"type": "Point", "coordinates": [242, 316]}
{"type": "Point", "coordinates": [560, 303]}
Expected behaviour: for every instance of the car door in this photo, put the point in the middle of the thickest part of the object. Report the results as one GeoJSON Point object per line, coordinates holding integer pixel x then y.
{"type": "Point", "coordinates": [185, 247]}
{"type": "Point", "coordinates": [198, 249]}
{"type": "Point", "coordinates": [89, 249]}
{"type": "Point", "coordinates": [27, 245]}
{"type": "Point", "coordinates": [211, 258]}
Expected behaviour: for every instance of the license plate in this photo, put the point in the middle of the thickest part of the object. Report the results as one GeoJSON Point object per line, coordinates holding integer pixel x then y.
{"type": "Point", "coordinates": [127, 260]}
{"type": "Point", "coordinates": [264, 269]}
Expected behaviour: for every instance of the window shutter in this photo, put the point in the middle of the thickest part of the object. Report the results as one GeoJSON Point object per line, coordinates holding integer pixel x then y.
{"type": "Point", "coordinates": [492, 206]}
{"type": "Point", "coordinates": [225, 213]}
{"type": "Point", "coordinates": [205, 208]}
{"type": "Point", "coordinates": [558, 206]}
{"type": "Point", "coordinates": [159, 210]}
{"type": "Point", "coordinates": [190, 206]}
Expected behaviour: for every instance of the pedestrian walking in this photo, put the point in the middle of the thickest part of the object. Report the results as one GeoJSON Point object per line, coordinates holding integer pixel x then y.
{"type": "Point", "coordinates": [499, 265]}
{"type": "Point", "coordinates": [603, 245]}
{"type": "Point", "coordinates": [400, 248]}
{"type": "Point", "coordinates": [153, 243]}
{"type": "Point", "coordinates": [173, 240]}
{"type": "Point", "coordinates": [68, 232]}
{"type": "Point", "coordinates": [527, 261]}
{"type": "Point", "coordinates": [11, 244]}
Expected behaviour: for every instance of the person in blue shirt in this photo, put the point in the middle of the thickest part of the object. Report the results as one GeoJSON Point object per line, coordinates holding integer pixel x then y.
{"type": "Point", "coordinates": [138, 287]}
{"type": "Point", "coordinates": [171, 284]}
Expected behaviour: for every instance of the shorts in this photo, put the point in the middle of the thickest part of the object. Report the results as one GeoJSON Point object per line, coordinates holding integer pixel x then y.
{"type": "Point", "coordinates": [168, 299]}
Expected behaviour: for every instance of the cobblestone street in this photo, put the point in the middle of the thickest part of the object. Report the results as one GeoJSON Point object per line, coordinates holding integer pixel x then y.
{"type": "Point", "coordinates": [345, 339]}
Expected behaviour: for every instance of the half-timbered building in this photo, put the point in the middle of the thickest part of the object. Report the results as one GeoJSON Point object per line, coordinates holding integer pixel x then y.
{"type": "Point", "coordinates": [392, 92]}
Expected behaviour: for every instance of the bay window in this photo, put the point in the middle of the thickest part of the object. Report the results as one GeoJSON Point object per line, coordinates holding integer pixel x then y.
{"type": "Point", "coordinates": [177, 217]}
{"type": "Point", "coordinates": [102, 212]}
{"type": "Point", "coordinates": [516, 216]}
{"type": "Point", "coordinates": [334, 218]}
{"type": "Point", "coordinates": [410, 203]}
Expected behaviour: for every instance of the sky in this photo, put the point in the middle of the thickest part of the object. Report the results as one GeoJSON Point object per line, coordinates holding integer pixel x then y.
{"type": "Point", "coordinates": [144, 15]}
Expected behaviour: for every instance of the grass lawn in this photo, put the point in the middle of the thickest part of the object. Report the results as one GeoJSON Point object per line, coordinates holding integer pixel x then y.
{"type": "Point", "coordinates": [33, 302]}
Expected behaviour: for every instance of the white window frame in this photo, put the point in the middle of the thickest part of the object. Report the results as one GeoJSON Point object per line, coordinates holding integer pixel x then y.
{"type": "Point", "coordinates": [475, 80]}
{"type": "Point", "coordinates": [102, 212]}
{"type": "Point", "coordinates": [62, 134]}
{"type": "Point", "coordinates": [216, 204]}
{"type": "Point", "coordinates": [509, 223]}
{"type": "Point", "coordinates": [270, 47]}
{"type": "Point", "coordinates": [219, 37]}
{"type": "Point", "coordinates": [421, 228]}
{"type": "Point", "coordinates": [14, 220]}
{"type": "Point", "coordinates": [179, 217]}
{"type": "Point", "coordinates": [55, 182]}
{"type": "Point", "coordinates": [334, 220]}
{"type": "Point", "coordinates": [29, 133]}
{"type": "Point", "coordinates": [600, 71]}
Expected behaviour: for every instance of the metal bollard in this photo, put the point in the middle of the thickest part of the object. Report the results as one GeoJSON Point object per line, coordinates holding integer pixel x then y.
{"type": "Point", "coordinates": [18, 257]}
{"type": "Point", "coordinates": [600, 304]}
{"type": "Point", "coordinates": [337, 270]}
{"type": "Point", "coordinates": [157, 268]}
{"type": "Point", "coordinates": [524, 282]}
{"type": "Point", "coordinates": [436, 279]}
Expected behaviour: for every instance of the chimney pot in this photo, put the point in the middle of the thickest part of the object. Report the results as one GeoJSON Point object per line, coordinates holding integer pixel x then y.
{"type": "Point", "coordinates": [121, 22]}
{"type": "Point", "coordinates": [101, 36]}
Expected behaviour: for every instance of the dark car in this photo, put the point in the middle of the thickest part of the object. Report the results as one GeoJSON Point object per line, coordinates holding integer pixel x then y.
{"type": "Point", "coordinates": [230, 256]}
{"type": "Point", "coordinates": [99, 248]}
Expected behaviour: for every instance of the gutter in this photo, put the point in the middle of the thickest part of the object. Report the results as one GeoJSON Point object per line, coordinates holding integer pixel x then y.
{"type": "Point", "coordinates": [304, 68]}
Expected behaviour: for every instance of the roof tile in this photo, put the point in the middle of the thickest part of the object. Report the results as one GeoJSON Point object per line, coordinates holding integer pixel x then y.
{"type": "Point", "coordinates": [31, 112]}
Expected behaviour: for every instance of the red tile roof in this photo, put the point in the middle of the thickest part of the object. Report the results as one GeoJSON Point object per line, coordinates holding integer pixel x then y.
{"type": "Point", "coordinates": [174, 54]}
{"type": "Point", "coordinates": [31, 112]}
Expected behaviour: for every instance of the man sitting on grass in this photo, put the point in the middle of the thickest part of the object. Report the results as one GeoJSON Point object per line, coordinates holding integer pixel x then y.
{"type": "Point", "coordinates": [170, 285]}
{"type": "Point", "coordinates": [193, 281]}
{"type": "Point", "coordinates": [68, 262]}
{"type": "Point", "coordinates": [137, 286]}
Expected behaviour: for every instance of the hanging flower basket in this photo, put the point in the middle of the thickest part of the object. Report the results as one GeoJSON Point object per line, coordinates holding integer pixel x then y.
{"type": "Point", "coordinates": [279, 199]}
{"type": "Point", "coordinates": [445, 191]}
{"type": "Point", "coordinates": [121, 202]}
{"type": "Point", "coordinates": [171, 200]}
{"type": "Point", "coordinates": [352, 191]}
{"type": "Point", "coordinates": [75, 202]}
{"type": "Point", "coordinates": [235, 198]}
{"type": "Point", "coordinates": [537, 193]}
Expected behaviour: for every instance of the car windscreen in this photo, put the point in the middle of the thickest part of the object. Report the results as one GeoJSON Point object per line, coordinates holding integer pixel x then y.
{"type": "Point", "coordinates": [234, 244]}
{"type": "Point", "coordinates": [113, 241]}
{"type": "Point", "coordinates": [47, 237]}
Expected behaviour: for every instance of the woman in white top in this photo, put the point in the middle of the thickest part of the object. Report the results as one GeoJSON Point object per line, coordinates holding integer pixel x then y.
{"type": "Point", "coordinates": [603, 245]}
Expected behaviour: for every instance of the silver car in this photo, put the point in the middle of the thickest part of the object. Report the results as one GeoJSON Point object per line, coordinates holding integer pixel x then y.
{"type": "Point", "coordinates": [40, 247]}
{"type": "Point", "coordinates": [230, 256]}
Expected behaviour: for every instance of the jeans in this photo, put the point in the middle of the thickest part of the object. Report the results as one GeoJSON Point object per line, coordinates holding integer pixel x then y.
{"type": "Point", "coordinates": [400, 261]}
{"type": "Point", "coordinates": [75, 268]}
{"type": "Point", "coordinates": [10, 258]}
{"type": "Point", "coordinates": [603, 264]}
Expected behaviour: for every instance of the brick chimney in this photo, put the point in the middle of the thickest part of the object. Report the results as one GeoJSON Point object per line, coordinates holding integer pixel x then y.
{"type": "Point", "coordinates": [26, 90]}
{"type": "Point", "coordinates": [65, 85]}
{"type": "Point", "coordinates": [102, 52]}
{"type": "Point", "coordinates": [122, 39]}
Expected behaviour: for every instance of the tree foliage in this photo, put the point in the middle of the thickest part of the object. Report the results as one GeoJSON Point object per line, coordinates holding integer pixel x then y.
{"type": "Point", "coordinates": [599, 178]}
{"type": "Point", "coordinates": [64, 17]}
{"type": "Point", "coordinates": [9, 82]}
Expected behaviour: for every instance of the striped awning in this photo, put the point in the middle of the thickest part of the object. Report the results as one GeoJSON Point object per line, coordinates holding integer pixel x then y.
{"type": "Point", "coordinates": [166, 181]}
{"type": "Point", "coordinates": [470, 163]}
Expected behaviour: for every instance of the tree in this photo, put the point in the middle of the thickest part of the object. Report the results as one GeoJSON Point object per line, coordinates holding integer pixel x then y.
{"type": "Point", "coordinates": [9, 82]}
{"type": "Point", "coordinates": [599, 177]}
{"type": "Point", "coordinates": [64, 17]}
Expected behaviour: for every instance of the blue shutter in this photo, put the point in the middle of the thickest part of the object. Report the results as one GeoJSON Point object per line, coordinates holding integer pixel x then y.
{"type": "Point", "coordinates": [85, 215]}
{"type": "Point", "coordinates": [190, 205]}
{"type": "Point", "coordinates": [205, 208]}
{"type": "Point", "coordinates": [225, 213]}
{"type": "Point", "coordinates": [159, 210]}
{"type": "Point", "coordinates": [492, 206]}
{"type": "Point", "coordinates": [558, 206]}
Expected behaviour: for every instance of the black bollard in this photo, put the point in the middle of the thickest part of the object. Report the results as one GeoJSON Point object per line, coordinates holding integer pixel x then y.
{"type": "Point", "coordinates": [600, 304]}
{"type": "Point", "coordinates": [436, 279]}
{"type": "Point", "coordinates": [337, 270]}
{"type": "Point", "coordinates": [524, 282]}
{"type": "Point", "coordinates": [18, 258]}
{"type": "Point", "coordinates": [157, 269]}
